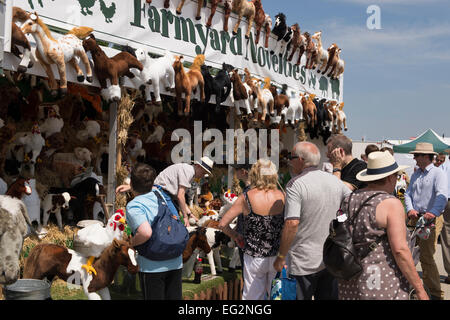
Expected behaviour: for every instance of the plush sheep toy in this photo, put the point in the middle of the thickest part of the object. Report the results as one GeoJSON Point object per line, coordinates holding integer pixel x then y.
{"type": "Point", "coordinates": [92, 130]}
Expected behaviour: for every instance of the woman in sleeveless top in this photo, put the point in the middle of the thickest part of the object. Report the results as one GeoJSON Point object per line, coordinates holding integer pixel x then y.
{"type": "Point", "coordinates": [388, 269]}
{"type": "Point", "coordinates": [263, 209]}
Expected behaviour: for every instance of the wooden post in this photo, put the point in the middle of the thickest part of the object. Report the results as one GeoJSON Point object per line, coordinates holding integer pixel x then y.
{"type": "Point", "coordinates": [230, 168]}
{"type": "Point", "coordinates": [112, 150]}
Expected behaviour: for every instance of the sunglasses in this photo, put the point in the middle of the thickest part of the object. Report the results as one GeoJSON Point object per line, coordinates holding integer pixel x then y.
{"type": "Point", "coordinates": [291, 157]}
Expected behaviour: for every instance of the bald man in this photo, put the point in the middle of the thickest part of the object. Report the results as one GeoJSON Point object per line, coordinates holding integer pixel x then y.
{"type": "Point", "coordinates": [312, 199]}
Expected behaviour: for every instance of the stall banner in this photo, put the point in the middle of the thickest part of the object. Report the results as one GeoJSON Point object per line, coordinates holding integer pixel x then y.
{"type": "Point", "coordinates": [156, 29]}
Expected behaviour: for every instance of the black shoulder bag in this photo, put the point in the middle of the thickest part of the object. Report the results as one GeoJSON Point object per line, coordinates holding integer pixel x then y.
{"type": "Point", "coordinates": [339, 253]}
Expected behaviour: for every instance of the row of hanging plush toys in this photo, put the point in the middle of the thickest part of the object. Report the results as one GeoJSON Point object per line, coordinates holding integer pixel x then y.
{"type": "Point", "coordinates": [66, 50]}
{"type": "Point", "coordinates": [289, 38]}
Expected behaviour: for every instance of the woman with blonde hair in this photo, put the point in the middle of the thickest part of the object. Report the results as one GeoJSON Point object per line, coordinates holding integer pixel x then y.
{"type": "Point", "coordinates": [263, 209]}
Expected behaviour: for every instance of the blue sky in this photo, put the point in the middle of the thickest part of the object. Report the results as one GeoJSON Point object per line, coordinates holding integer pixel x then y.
{"type": "Point", "coordinates": [397, 79]}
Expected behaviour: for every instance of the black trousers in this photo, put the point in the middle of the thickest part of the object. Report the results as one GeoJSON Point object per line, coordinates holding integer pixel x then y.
{"type": "Point", "coordinates": [161, 285]}
{"type": "Point", "coordinates": [322, 285]}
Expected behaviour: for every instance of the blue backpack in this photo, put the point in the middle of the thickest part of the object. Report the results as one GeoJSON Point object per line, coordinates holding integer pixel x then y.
{"type": "Point", "coordinates": [169, 235]}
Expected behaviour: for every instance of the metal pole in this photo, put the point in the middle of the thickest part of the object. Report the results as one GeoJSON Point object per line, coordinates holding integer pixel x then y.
{"type": "Point", "coordinates": [112, 150]}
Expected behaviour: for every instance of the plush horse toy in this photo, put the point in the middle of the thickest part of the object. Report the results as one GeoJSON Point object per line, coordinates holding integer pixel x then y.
{"type": "Point", "coordinates": [227, 12]}
{"type": "Point", "coordinates": [260, 18]}
{"type": "Point", "coordinates": [298, 42]}
{"type": "Point", "coordinates": [332, 59]}
{"type": "Point", "coordinates": [309, 110]}
{"type": "Point", "coordinates": [280, 29]}
{"type": "Point", "coordinates": [64, 50]}
{"type": "Point", "coordinates": [322, 54]}
{"type": "Point", "coordinates": [246, 9]}
{"type": "Point", "coordinates": [19, 39]}
{"type": "Point", "coordinates": [186, 82]}
{"type": "Point", "coordinates": [340, 65]}
{"type": "Point", "coordinates": [155, 72]}
{"type": "Point", "coordinates": [240, 93]}
{"type": "Point", "coordinates": [199, 8]}
{"type": "Point", "coordinates": [111, 68]}
{"type": "Point", "coordinates": [311, 52]}
{"type": "Point", "coordinates": [217, 85]}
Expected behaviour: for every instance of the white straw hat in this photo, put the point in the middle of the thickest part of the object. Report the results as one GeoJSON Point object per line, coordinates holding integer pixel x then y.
{"type": "Point", "coordinates": [206, 163]}
{"type": "Point", "coordinates": [379, 165]}
{"type": "Point", "coordinates": [424, 148]}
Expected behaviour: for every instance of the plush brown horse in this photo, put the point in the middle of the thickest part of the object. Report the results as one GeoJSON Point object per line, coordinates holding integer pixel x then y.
{"type": "Point", "coordinates": [243, 8]}
{"type": "Point", "coordinates": [227, 12]}
{"type": "Point", "coordinates": [111, 68]}
{"type": "Point", "coordinates": [311, 52]}
{"type": "Point", "coordinates": [199, 8]}
{"type": "Point", "coordinates": [48, 260]}
{"type": "Point", "coordinates": [333, 59]}
{"type": "Point", "coordinates": [260, 18]}
{"type": "Point", "coordinates": [309, 110]}
{"type": "Point", "coordinates": [281, 101]}
{"type": "Point", "coordinates": [186, 82]}
{"type": "Point", "coordinates": [19, 39]}
{"type": "Point", "coordinates": [298, 42]}
{"type": "Point", "coordinates": [197, 239]}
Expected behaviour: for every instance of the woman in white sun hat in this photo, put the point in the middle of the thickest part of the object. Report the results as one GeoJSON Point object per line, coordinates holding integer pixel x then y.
{"type": "Point", "coordinates": [389, 269]}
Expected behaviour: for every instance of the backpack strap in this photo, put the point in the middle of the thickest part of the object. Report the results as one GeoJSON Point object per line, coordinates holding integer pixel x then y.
{"type": "Point", "coordinates": [374, 243]}
{"type": "Point", "coordinates": [160, 196]}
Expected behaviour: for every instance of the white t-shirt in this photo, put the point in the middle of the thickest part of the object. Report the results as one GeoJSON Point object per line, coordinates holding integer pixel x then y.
{"type": "Point", "coordinates": [179, 174]}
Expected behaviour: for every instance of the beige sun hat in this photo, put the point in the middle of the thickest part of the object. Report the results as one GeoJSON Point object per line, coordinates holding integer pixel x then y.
{"type": "Point", "coordinates": [424, 148]}
{"type": "Point", "coordinates": [379, 165]}
{"type": "Point", "coordinates": [206, 163]}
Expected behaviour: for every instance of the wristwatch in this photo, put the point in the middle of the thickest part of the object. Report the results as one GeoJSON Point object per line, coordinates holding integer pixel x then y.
{"type": "Point", "coordinates": [336, 170]}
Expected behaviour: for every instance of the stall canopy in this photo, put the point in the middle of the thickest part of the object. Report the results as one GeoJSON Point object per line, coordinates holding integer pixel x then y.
{"type": "Point", "coordinates": [429, 136]}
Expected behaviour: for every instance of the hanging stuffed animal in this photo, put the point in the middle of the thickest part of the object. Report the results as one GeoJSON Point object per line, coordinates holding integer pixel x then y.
{"type": "Point", "coordinates": [19, 39]}
{"type": "Point", "coordinates": [64, 50]}
{"type": "Point", "coordinates": [111, 68]}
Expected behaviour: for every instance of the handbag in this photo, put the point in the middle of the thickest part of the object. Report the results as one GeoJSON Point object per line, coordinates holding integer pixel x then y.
{"type": "Point", "coordinates": [283, 287]}
{"type": "Point", "coordinates": [339, 252]}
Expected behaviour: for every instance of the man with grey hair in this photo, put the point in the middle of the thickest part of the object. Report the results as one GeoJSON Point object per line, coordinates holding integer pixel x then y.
{"type": "Point", "coordinates": [312, 199]}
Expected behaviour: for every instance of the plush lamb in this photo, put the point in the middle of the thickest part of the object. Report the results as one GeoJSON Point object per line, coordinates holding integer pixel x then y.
{"type": "Point", "coordinates": [32, 142]}
{"type": "Point", "coordinates": [156, 135]}
{"type": "Point", "coordinates": [92, 130]}
{"type": "Point", "coordinates": [80, 157]}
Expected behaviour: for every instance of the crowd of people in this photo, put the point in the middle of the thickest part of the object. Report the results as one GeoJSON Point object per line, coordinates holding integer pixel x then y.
{"type": "Point", "coordinates": [280, 228]}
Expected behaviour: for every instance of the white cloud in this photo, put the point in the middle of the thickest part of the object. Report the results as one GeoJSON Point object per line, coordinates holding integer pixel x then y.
{"type": "Point", "coordinates": [400, 44]}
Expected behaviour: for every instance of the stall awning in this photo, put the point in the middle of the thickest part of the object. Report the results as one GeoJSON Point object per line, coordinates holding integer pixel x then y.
{"type": "Point", "coordinates": [429, 136]}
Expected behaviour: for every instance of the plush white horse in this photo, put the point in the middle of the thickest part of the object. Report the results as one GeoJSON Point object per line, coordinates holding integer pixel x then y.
{"type": "Point", "coordinates": [294, 113]}
{"type": "Point", "coordinates": [156, 72]}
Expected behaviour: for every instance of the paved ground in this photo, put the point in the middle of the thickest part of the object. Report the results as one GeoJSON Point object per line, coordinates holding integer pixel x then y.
{"type": "Point", "coordinates": [438, 258]}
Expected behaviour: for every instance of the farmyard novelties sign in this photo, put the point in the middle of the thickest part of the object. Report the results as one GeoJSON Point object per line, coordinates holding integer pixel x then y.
{"type": "Point", "coordinates": [138, 24]}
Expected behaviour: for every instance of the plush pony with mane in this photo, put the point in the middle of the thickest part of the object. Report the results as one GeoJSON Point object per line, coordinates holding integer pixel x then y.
{"type": "Point", "coordinates": [64, 50]}
{"type": "Point", "coordinates": [309, 110]}
{"type": "Point", "coordinates": [217, 85]}
{"type": "Point", "coordinates": [244, 8]}
{"type": "Point", "coordinates": [187, 82]}
{"type": "Point", "coordinates": [240, 93]}
{"type": "Point", "coordinates": [111, 68]}
{"type": "Point", "coordinates": [19, 39]}
{"type": "Point", "coordinates": [48, 260]}
{"type": "Point", "coordinates": [298, 42]}
{"type": "Point", "coordinates": [322, 54]}
{"type": "Point", "coordinates": [227, 12]}
{"type": "Point", "coordinates": [156, 72]}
